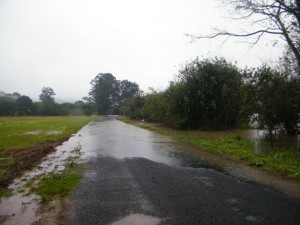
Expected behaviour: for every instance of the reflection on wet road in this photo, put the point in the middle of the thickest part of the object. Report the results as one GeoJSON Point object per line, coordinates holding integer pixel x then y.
{"type": "Point", "coordinates": [111, 137]}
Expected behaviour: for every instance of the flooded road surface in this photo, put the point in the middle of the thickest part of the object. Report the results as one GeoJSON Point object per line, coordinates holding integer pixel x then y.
{"type": "Point", "coordinates": [133, 176]}
{"type": "Point", "coordinates": [112, 138]}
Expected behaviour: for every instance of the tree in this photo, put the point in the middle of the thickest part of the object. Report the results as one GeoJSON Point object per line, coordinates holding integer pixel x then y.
{"type": "Point", "coordinates": [24, 105]}
{"type": "Point", "coordinates": [134, 106]}
{"type": "Point", "coordinates": [211, 95]}
{"type": "Point", "coordinates": [274, 100]}
{"type": "Point", "coordinates": [126, 91]}
{"type": "Point", "coordinates": [47, 95]}
{"type": "Point", "coordinates": [103, 92]}
{"type": "Point", "coordinates": [15, 104]}
{"type": "Point", "coordinates": [275, 17]}
{"type": "Point", "coordinates": [109, 94]}
{"type": "Point", "coordinates": [206, 95]}
{"type": "Point", "coordinates": [8, 104]}
{"type": "Point", "coordinates": [48, 102]}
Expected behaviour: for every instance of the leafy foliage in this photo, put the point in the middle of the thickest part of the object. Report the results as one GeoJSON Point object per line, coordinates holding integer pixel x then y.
{"type": "Point", "coordinates": [206, 95]}
{"type": "Point", "coordinates": [15, 104]}
{"type": "Point", "coordinates": [21, 105]}
{"type": "Point", "coordinates": [274, 99]}
{"type": "Point", "coordinates": [47, 95]}
{"type": "Point", "coordinates": [109, 94]}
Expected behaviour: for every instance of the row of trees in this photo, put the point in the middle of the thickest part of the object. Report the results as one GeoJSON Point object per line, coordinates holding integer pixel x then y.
{"type": "Point", "coordinates": [213, 94]}
{"type": "Point", "coordinates": [209, 94]}
{"type": "Point", "coordinates": [21, 105]}
{"type": "Point", "coordinates": [107, 96]}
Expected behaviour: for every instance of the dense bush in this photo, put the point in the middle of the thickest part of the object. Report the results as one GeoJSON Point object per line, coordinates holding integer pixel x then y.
{"type": "Point", "coordinates": [207, 95]}
{"type": "Point", "coordinates": [213, 94]}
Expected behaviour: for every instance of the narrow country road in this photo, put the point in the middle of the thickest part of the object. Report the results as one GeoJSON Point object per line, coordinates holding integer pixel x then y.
{"type": "Point", "coordinates": [133, 176]}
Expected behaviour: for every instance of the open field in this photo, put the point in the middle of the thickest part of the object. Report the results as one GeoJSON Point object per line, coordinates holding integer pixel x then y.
{"type": "Point", "coordinates": [233, 145]}
{"type": "Point", "coordinates": [25, 140]}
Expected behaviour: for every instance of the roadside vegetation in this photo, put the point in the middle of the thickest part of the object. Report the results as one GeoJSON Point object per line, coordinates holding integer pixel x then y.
{"type": "Point", "coordinates": [57, 186]}
{"type": "Point", "coordinates": [25, 140]}
{"type": "Point", "coordinates": [213, 94]}
{"type": "Point", "coordinates": [233, 145]}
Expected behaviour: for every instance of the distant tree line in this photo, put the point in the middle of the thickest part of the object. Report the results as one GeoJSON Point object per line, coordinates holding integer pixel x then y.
{"type": "Point", "coordinates": [208, 94]}
{"type": "Point", "coordinates": [212, 94]}
{"type": "Point", "coordinates": [107, 96]}
{"type": "Point", "coordinates": [21, 105]}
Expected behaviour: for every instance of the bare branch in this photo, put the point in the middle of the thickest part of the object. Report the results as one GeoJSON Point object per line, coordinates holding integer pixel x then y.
{"type": "Point", "coordinates": [226, 33]}
{"type": "Point", "coordinates": [275, 17]}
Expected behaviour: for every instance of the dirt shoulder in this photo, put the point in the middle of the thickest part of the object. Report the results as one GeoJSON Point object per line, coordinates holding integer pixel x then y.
{"type": "Point", "coordinates": [19, 161]}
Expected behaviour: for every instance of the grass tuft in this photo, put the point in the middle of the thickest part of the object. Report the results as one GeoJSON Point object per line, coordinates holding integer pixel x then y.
{"type": "Point", "coordinates": [57, 185]}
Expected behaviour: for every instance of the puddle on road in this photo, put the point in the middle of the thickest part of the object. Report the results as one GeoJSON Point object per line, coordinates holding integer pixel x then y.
{"type": "Point", "coordinates": [138, 219]}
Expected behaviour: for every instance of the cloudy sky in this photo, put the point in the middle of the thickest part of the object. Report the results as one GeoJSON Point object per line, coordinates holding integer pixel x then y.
{"type": "Point", "coordinates": [64, 44]}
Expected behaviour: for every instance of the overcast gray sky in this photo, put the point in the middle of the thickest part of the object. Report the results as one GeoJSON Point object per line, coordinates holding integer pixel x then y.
{"type": "Point", "coordinates": [64, 44]}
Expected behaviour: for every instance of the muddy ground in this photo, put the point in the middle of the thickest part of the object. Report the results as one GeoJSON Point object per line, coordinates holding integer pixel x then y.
{"type": "Point", "coordinates": [26, 159]}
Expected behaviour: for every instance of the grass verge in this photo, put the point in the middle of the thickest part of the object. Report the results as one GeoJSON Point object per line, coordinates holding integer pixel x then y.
{"type": "Point", "coordinates": [54, 190]}
{"type": "Point", "coordinates": [57, 186]}
{"type": "Point", "coordinates": [25, 140]}
{"type": "Point", "coordinates": [283, 161]}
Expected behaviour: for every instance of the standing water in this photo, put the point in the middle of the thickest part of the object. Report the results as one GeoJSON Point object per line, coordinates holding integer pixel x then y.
{"type": "Point", "coordinates": [263, 147]}
{"type": "Point", "coordinates": [123, 141]}
{"type": "Point", "coordinates": [112, 138]}
{"type": "Point", "coordinates": [22, 207]}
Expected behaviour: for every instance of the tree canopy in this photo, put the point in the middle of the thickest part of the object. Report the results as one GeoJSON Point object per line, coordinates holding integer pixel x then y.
{"type": "Point", "coordinates": [109, 94]}
{"type": "Point", "coordinates": [47, 95]}
{"type": "Point", "coordinates": [206, 95]}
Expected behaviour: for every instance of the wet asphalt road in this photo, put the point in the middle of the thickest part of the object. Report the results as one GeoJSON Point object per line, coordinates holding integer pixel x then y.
{"type": "Point", "coordinates": [130, 171]}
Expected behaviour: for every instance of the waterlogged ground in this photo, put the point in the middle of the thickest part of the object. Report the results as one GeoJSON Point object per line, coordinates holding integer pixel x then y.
{"type": "Point", "coordinates": [133, 176]}
{"type": "Point", "coordinates": [23, 206]}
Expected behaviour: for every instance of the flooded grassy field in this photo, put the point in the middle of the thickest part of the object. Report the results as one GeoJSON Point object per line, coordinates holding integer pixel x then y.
{"type": "Point", "coordinates": [25, 140]}
{"type": "Point", "coordinates": [52, 179]}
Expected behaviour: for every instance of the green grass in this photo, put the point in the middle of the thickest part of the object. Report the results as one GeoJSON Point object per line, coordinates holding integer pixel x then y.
{"type": "Point", "coordinates": [233, 145]}
{"type": "Point", "coordinates": [24, 140]}
{"type": "Point", "coordinates": [5, 192]}
{"type": "Point", "coordinates": [57, 186]}
{"type": "Point", "coordinates": [25, 132]}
